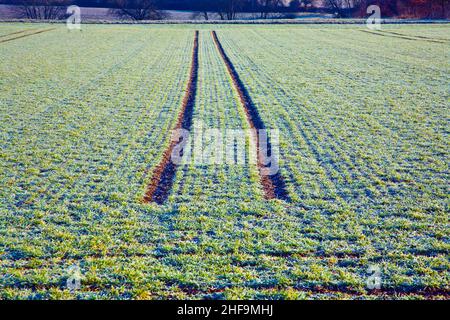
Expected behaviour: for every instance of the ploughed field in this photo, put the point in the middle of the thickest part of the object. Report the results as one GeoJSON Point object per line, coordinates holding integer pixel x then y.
{"type": "Point", "coordinates": [363, 181]}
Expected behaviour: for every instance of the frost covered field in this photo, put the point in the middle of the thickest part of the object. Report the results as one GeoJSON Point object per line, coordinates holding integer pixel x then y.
{"type": "Point", "coordinates": [86, 120]}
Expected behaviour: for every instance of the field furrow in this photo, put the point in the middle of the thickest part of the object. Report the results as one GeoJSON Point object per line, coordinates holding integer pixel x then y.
{"type": "Point", "coordinates": [273, 184]}
{"type": "Point", "coordinates": [208, 176]}
{"type": "Point", "coordinates": [161, 182]}
{"type": "Point", "coordinates": [15, 37]}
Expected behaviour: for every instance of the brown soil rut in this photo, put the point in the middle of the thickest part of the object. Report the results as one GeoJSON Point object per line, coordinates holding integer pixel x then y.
{"type": "Point", "coordinates": [162, 180]}
{"type": "Point", "coordinates": [273, 185]}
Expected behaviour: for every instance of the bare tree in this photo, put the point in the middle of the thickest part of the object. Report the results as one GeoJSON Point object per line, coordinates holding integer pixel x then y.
{"type": "Point", "coordinates": [205, 14]}
{"type": "Point", "coordinates": [222, 9]}
{"type": "Point", "coordinates": [444, 5]}
{"type": "Point", "coordinates": [266, 7]}
{"type": "Point", "coordinates": [300, 5]}
{"type": "Point", "coordinates": [343, 8]}
{"type": "Point", "coordinates": [336, 6]}
{"type": "Point", "coordinates": [228, 9]}
{"type": "Point", "coordinates": [203, 6]}
{"type": "Point", "coordinates": [388, 7]}
{"type": "Point", "coordinates": [200, 14]}
{"type": "Point", "coordinates": [42, 9]}
{"type": "Point", "coordinates": [138, 9]}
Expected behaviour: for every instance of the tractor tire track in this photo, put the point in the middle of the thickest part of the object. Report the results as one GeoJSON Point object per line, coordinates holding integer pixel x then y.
{"type": "Point", "coordinates": [162, 180]}
{"type": "Point", "coordinates": [414, 36]}
{"type": "Point", "coordinates": [26, 35]}
{"type": "Point", "coordinates": [17, 32]}
{"type": "Point", "coordinates": [393, 35]}
{"type": "Point", "coordinates": [274, 186]}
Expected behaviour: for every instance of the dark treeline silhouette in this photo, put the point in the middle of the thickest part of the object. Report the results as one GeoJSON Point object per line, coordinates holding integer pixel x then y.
{"type": "Point", "coordinates": [156, 9]}
{"type": "Point", "coordinates": [231, 9]}
{"type": "Point", "coordinates": [188, 5]}
{"type": "Point", "coordinates": [425, 9]}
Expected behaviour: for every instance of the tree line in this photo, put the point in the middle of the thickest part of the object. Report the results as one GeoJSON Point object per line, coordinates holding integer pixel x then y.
{"type": "Point", "coordinates": [426, 9]}
{"type": "Point", "coordinates": [232, 9]}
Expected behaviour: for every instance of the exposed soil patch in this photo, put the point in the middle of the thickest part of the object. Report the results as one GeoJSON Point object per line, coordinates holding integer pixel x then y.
{"type": "Point", "coordinates": [273, 185]}
{"type": "Point", "coordinates": [162, 180]}
{"type": "Point", "coordinates": [24, 35]}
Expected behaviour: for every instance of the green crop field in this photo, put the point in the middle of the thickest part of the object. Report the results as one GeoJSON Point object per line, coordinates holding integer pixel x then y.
{"type": "Point", "coordinates": [363, 119]}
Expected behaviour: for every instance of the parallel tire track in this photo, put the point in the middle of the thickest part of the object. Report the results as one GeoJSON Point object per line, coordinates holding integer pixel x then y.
{"type": "Point", "coordinates": [26, 35]}
{"type": "Point", "coordinates": [274, 185]}
{"type": "Point", "coordinates": [163, 176]}
{"type": "Point", "coordinates": [414, 36]}
{"type": "Point", "coordinates": [13, 33]}
{"type": "Point", "coordinates": [396, 35]}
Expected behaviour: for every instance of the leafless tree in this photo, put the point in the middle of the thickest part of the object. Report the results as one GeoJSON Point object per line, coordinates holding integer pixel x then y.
{"type": "Point", "coordinates": [388, 7]}
{"type": "Point", "coordinates": [204, 14]}
{"type": "Point", "coordinates": [298, 5]}
{"type": "Point", "coordinates": [42, 9]}
{"type": "Point", "coordinates": [228, 9]}
{"type": "Point", "coordinates": [138, 10]}
{"type": "Point", "coordinates": [267, 7]}
{"type": "Point", "coordinates": [342, 7]}
{"type": "Point", "coordinates": [444, 6]}
{"type": "Point", "coordinates": [203, 6]}
{"type": "Point", "coordinates": [220, 9]}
